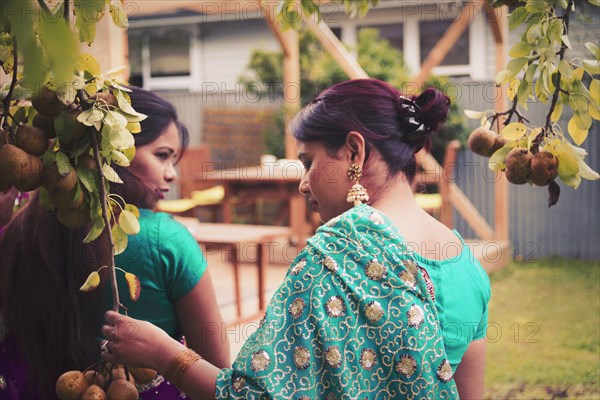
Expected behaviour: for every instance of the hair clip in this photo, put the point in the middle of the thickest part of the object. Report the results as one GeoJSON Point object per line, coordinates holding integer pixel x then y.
{"type": "Point", "coordinates": [412, 122]}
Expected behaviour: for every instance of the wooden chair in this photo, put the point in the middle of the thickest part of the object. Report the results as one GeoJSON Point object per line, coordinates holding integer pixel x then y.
{"type": "Point", "coordinates": [437, 204]}
{"type": "Point", "coordinates": [194, 192]}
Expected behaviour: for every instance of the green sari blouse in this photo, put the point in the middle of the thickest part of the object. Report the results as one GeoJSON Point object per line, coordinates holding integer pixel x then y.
{"type": "Point", "coordinates": [352, 320]}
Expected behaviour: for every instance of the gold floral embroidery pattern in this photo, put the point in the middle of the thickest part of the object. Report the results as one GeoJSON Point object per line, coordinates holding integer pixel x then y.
{"type": "Point", "coordinates": [260, 360]}
{"type": "Point", "coordinates": [299, 267]}
{"type": "Point", "coordinates": [330, 264]}
{"type": "Point", "coordinates": [407, 365]}
{"type": "Point", "coordinates": [374, 311]}
{"type": "Point", "coordinates": [444, 371]}
{"type": "Point", "coordinates": [335, 307]}
{"type": "Point", "coordinates": [368, 359]}
{"type": "Point", "coordinates": [408, 278]}
{"type": "Point", "coordinates": [238, 383]}
{"type": "Point", "coordinates": [375, 270]}
{"type": "Point", "coordinates": [415, 316]}
{"type": "Point", "coordinates": [301, 357]}
{"type": "Point", "coordinates": [333, 356]}
{"type": "Point", "coordinates": [297, 307]}
{"type": "Point", "coordinates": [376, 218]}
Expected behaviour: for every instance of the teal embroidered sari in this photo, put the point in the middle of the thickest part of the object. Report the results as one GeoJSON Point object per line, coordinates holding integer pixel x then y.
{"type": "Point", "coordinates": [352, 320]}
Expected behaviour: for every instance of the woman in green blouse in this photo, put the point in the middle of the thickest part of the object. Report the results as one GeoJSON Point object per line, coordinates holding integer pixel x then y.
{"type": "Point", "coordinates": [361, 313]}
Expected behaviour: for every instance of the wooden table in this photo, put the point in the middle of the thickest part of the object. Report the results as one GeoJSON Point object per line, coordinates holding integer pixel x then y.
{"type": "Point", "coordinates": [231, 237]}
{"type": "Point", "coordinates": [277, 180]}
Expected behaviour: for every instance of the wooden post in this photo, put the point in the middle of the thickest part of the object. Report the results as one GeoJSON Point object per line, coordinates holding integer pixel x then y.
{"type": "Point", "coordinates": [501, 185]}
{"type": "Point", "coordinates": [443, 46]}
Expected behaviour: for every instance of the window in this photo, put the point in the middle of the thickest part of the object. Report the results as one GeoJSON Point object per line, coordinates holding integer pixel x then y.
{"type": "Point", "coordinates": [429, 34]}
{"type": "Point", "coordinates": [392, 33]}
{"type": "Point", "coordinates": [169, 52]}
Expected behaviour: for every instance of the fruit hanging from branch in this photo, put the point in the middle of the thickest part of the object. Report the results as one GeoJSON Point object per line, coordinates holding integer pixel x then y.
{"type": "Point", "coordinates": [539, 68]}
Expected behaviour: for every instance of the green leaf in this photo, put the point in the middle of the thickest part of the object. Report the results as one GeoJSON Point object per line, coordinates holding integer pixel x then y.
{"type": "Point", "coordinates": [514, 131]}
{"type": "Point", "coordinates": [118, 14]}
{"type": "Point", "coordinates": [565, 69]}
{"type": "Point", "coordinates": [496, 162]}
{"type": "Point", "coordinates": [515, 66]}
{"type": "Point", "coordinates": [520, 49]}
{"type": "Point", "coordinates": [62, 163]}
{"type": "Point", "coordinates": [119, 239]}
{"type": "Point", "coordinates": [61, 48]}
{"type": "Point", "coordinates": [578, 102]}
{"type": "Point", "coordinates": [90, 116]}
{"type": "Point", "coordinates": [530, 73]}
{"type": "Point", "coordinates": [591, 66]}
{"type": "Point", "coordinates": [595, 2]}
{"type": "Point", "coordinates": [115, 120]}
{"type": "Point", "coordinates": [501, 77]}
{"type": "Point", "coordinates": [87, 178]}
{"type": "Point", "coordinates": [517, 17]}
{"type": "Point", "coordinates": [555, 30]}
{"type": "Point", "coordinates": [129, 223]}
{"type": "Point", "coordinates": [595, 50]}
{"type": "Point", "coordinates": [535, 5]}
{"type": "Point", "coordinates": [534, 33]}
{"type": "Point", "coordinates": [121, 138]}
{"type": "Point", "coordinates": [95, 230]}
{"type": "Point", "coordinates": [524, 92]}
{"type": "Point", "coordinates": [110, 174]}
{"type": "Point", "coordinates": [120, 158]}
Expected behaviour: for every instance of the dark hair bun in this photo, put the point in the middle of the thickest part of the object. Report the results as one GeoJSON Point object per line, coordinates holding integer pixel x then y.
{"type": "Point", "coordinates": [434, 108]}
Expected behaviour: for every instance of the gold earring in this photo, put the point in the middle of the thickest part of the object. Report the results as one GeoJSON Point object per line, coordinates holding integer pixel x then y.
{"type": "Point", "coordinates": [357, 193]}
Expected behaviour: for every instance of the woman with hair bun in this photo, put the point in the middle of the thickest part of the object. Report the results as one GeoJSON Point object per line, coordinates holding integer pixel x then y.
{"type": "Point", "coordinates": [383, 302]}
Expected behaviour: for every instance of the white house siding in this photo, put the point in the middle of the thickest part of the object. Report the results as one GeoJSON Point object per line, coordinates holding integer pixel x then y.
{"type": "Point", "coordinates": [226, 49]}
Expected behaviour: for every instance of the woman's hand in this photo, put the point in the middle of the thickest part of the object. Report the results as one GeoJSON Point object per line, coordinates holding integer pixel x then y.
{"type": "Point", "coordinates": [137, 343]}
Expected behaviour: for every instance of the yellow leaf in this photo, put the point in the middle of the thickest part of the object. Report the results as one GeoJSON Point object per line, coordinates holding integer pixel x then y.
{"type": "Point", "coordinates": [514, 131]}
{"type": "Point", "coordinates": [579, 135]}
{"type": "Point", "coordinates": [557, 112]}
{"type": "Point", "coordinates": [134, 127]}
{"type": "Point", "coordinates": [119, 239]}
{"type": "Point", "coordinates": [129, 223]}
{"type": "Point", "coordinates": [568, 165]}
{"type": "Point", "coordinates": [594, 112]}
{"type": "Point", "coordinates": [132, 209]}
{"type": "Point", "coordinates": [91, 283]}
{"type": "Point", "coordinates": [595, 91]}
{"type": "Point", "coordinates": [129, 152]}
{"type": "Point", "coordinates": [134, 285]}
{"type": "Point", "coordinates": [513, 87]}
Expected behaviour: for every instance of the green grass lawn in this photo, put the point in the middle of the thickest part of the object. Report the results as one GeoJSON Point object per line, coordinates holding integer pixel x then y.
{"type": "Point", "coordinates": [544, 332]}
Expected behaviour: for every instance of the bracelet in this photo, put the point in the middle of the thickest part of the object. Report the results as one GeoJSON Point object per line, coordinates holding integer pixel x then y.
{"type": "Point", "coordinates": [178, 365]}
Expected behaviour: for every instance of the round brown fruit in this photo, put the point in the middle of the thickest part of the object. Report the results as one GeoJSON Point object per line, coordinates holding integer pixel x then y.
{"type": "Point", "coordinates": [544, 168]}
{"type": "Point", "coordinates": [95, 378]}
{"type": "Point", "coordinates": [46, 102]}
{"type": "Point", "coordinates": [67, 200]}
{"type": "Point", "coordinates": [518, 166]}
{"type": "Point", "coordinates": [46, 124]}
{"type": "Point", "coordinates": [499, 142]}
{"type": "Point", "coordinates": [122, 390]}
{"type": "Point", "coordinates": [71, 385]}
{"type": "Point", "coordinates": [87, 161]}
{"type": "Point", "coordinates": [94, 392]}
{"type": "Point", "coordinates": [14, 163]}
{"type": "Point", "coordinates": [481, 141]}
{"type": "Point", "coordinates": [106, 98]}
{"type": "Point", "coordinates": [142, 375]}
{"type": "Point", "coordinates": [31, 176]}
{"type": "Point", "coordinates": [69, 130]}
{"type": "Point", "coordinates": [55, 182]}
{"type": "Point", "coordinates": [77, 218]}
{"type": "Point", "coordinates": [31, 139]}
{"type": "Point", "coordinates": [119, 373]}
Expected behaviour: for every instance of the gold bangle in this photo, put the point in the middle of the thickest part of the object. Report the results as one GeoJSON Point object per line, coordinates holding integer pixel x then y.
{"type": "Point", "coordinates": [179, 364]}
